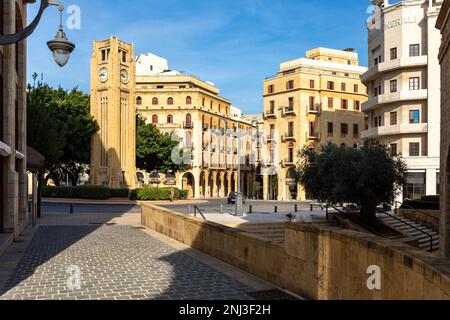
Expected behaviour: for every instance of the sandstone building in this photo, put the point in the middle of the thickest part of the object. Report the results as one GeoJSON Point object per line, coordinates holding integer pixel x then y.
{"type": "Point", "coordinates": [113, 155]}
{"type": "Point", "coordinates": [311, 101]}
{"type": "Point", "coordinates": [13, 176]}
{"type": "Point", "coordinates": [443, 23]}
{"type": "Point", "coordinates": [404, 88]}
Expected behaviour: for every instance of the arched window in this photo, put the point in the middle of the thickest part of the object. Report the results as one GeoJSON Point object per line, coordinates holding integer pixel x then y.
{"type": "Point", "coordinates": [170, 101]}
{"type": "Point", "coordinates": [203, 102]}
{"type": "Point", "coordinates": [188, 100]}
{"type": "Point", "coordinates": [188, 140]}
{"type": "Point", "coordinates": [139, 101]}
{"type": "Point", "coordinates": [169, 118]}
{"type": "Point", "coordinates": [155, 101]}
{"type": "Point", "coordinates": [188, 118]}
{"type": "Point", "coordinates": [154, 119]}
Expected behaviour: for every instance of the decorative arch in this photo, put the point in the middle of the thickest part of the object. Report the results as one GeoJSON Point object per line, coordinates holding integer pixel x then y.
{"type": "Point", "coordinates": [188, 100]}
{"type": "Point", "coordinates": [155, 101]}
{"type": "Point", "coordinates": [154, 119]}
{"type": "Point", "coordinates": [170, 101]}
{"type": "Point", "coordinates": [170, 119]}
{"type": "Point", "coordinates": [139, 101]}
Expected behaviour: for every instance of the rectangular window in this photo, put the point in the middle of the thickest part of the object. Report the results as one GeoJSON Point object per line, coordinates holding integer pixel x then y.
{"type": "Point", "coordinates": [415, 185]}
{"type": "Point", "coordinates": [376, 61]}
{"type": "Point", "coordinates": [311, 103]}
{"type": "Point", "coordinates": [344, 104]}
{"type": "Point", "coordinates": [270, 88]}
{"type": "Point", "coordinates": [414, 83]}
{"type": "Point", "coordinates": [330, 85]}
{"type": "Point", "coordinates": [344, 129]}
{"type": "Point", "coordinates": [393, 149]}
{"type": "Point", "coordinates": [414, 50]}
{"type": "Point", "coordinates": [393, 85]}
{"type": "Point", "coordinates": [355, 130]}
{"type": "Point", "coordinates": [355, 88]}
{"type": "Point", "coordinates": [414, 149]}
{"type": "Point", "coordinates": [103, 55]}
{"type": "Point", "coordinates": [291, 103]}
{"type": "Point", "coordinates": [124, 57]}
{"type": "Point", "coordinates": [357, 105]}
{"type": "Point", "coordinates": [343, 87]}
{"type": "Point", "coordinates": [375, 91]}
{"type": "Point", "coordinates": [330, 129]}
{"type": "Point", "coordinates": [393, 53]}
{"type": "Point", "coordinates": [393, 116]}
{"type": "Point", "coordinates": [330, 103]}
{"type": "Point", "coordinates": [272, 107]}
{"type": "Point", "coordinates": [311, 84]}
{"type": "Point", "coordinates": [290, 85]}
{"type": "Point", "coordinates": [375, 124]}
{"type": "Point", "coordinates": [290, 129]}
{"type": "Point", "coordinates": [414, 116]}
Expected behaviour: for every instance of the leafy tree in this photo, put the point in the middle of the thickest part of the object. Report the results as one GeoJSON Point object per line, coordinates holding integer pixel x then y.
{"type": "Point", "coordinates": [60, 127]}
{"type": "Point", "coordinates": [154, 149]}
{"type": "Point", "coordinates": [368, 176]}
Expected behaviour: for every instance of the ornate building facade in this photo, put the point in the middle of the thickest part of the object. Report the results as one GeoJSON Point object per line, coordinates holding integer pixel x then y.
{"type": "Point", "coordinates": [311, 101]}
{"type": "Point", "coordinates": [13, 176]}
{"type": "Point", "coordinates": [206, 122]}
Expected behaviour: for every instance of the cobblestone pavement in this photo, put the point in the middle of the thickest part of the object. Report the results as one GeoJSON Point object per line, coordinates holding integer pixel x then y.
{"type": "Point", "coordinates": [115, 262]}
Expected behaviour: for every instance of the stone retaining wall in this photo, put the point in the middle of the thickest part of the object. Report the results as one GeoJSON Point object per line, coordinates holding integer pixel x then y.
{"type": "Point", "coordinates": [427, 218]}
{"type": "Point", "coordinates": [316, 262]}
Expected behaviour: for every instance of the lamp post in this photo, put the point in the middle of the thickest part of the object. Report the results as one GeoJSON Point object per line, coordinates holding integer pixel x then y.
{"type": "Point", "coordinates": [239, 199]}
{"type": "Point", "coordinates": [60, 47]}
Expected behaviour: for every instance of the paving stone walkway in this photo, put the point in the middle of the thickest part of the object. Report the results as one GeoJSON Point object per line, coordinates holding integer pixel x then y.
{"type": "Point", "coordinates": [113, 262]}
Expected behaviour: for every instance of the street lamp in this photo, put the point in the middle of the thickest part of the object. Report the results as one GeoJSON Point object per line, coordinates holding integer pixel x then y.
{"type": "Point", "coordinates": [60, 47]}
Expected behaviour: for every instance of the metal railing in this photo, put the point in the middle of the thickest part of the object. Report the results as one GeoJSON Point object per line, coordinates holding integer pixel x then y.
{"type": "Point", "coordinates": [410, 225]}
{"type": "Point", "coordinates": [197, 210]}
{"type": "Point", "coordinates": [389, 215]}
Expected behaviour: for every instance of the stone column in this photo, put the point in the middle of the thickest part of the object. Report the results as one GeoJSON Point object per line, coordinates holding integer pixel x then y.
{"type": "Point", "coordinates": [11, 219]}
{"type": "Point", "coordinates": [207, 195]}
{"type": "Point", "coordinates": [222, 185]}
{"type": "Point", "coordinates": [214, 183]}
{"type": "Point", "coordinates": [196, 172]}
{"type": "Point", "coordinates": [265, 187]}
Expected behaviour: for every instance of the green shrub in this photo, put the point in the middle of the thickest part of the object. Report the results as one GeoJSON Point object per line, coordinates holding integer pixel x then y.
{"type": "Point", "coordinates": [79, 192]}
{"type": "Point", "coordinates": [430, 198]}
{"type": "Point", "coordinates": [120, 193]}
{"type": "Point", "coordinates": [420, 204]}
{"type": "Point", "coordinates": [154, 193]}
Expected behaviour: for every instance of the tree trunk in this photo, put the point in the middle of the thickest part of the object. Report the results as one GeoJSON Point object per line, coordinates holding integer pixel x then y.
{"type": "Point", "coordinates": [368, 214]}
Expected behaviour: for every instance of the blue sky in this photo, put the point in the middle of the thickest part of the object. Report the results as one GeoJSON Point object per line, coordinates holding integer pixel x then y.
{"type": "Point", "coordinates": [233, 43]}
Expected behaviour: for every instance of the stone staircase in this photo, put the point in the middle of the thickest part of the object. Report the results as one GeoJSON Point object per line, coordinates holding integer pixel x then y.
{"type": "Point", "coordinates": [422, 239]}
{"type": "Point", "coordinates": [271, 231]}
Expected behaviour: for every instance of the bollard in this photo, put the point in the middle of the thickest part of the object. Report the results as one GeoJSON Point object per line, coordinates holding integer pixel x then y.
{"type": "Point", "coordinates": [276, 209]}
{"type": "Point", "coordinates": [71, 208]}
{"type": "Point", "coordinates": [250, 209]}
{"type": "Point", "coordinates": [311, 208]}
{"type": "Point", "coordinates": [296, 208]}
{"type": "Point", "coordinates": [221, 209]}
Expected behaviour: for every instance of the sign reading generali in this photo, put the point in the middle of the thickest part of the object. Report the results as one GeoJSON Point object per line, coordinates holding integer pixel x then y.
{"type": "Point", "coordinates": [399, 22]}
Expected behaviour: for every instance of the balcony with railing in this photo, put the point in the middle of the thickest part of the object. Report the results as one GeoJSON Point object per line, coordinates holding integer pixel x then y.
{"type": "Point", "coordinates": [270, 114]}
{"type": "Point", "coordinates": [289, 136]}
{"type": "Point", "coordinates": [314, 108]}
{"type": "Point", "coordinates": [313, 135]}
{"type": "Point", "coordinates": [289, 111]}
{"type": "Point", "coordinates": [188, 125]}
{"type": "Point", "coordinates": [288, 163]}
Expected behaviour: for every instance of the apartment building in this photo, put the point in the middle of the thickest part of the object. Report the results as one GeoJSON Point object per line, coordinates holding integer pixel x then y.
{"type": "Point", "coordinates": [13, 176]}
{"type": "Point", "coordinates": [207, 123]}
{"type": "Point", "coordinates": [403, 83]}
{"type": "Point", "coordinates": [311, 101]}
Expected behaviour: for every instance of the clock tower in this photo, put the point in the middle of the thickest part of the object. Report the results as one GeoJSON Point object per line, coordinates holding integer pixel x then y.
{"type": "Point", "coordinates": [113, 148]}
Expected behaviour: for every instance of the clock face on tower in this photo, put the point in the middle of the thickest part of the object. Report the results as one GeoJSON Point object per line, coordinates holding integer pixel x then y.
{"type": "Point", "coordinates": [103, 75]}
{"type": "Point", "coordinates": [124, 76]}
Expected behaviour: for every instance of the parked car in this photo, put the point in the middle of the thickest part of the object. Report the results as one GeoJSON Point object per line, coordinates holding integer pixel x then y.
{"type": "Point", "coordinates": [232, 198]}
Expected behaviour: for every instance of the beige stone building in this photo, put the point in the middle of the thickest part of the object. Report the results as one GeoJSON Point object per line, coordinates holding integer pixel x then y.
{"type": "Point", "coordinates": [113, 155]}
{"type": "Point", "coordinates": [311, 101]}
{"type": "Point", "coordinates": [404, 88]}
{"type": "Point", "coordinates": [443, 23]}
{"type": "Point", "coordinates": [13, 176]}
{"type": "Point", "coordinates": [207, 124]}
